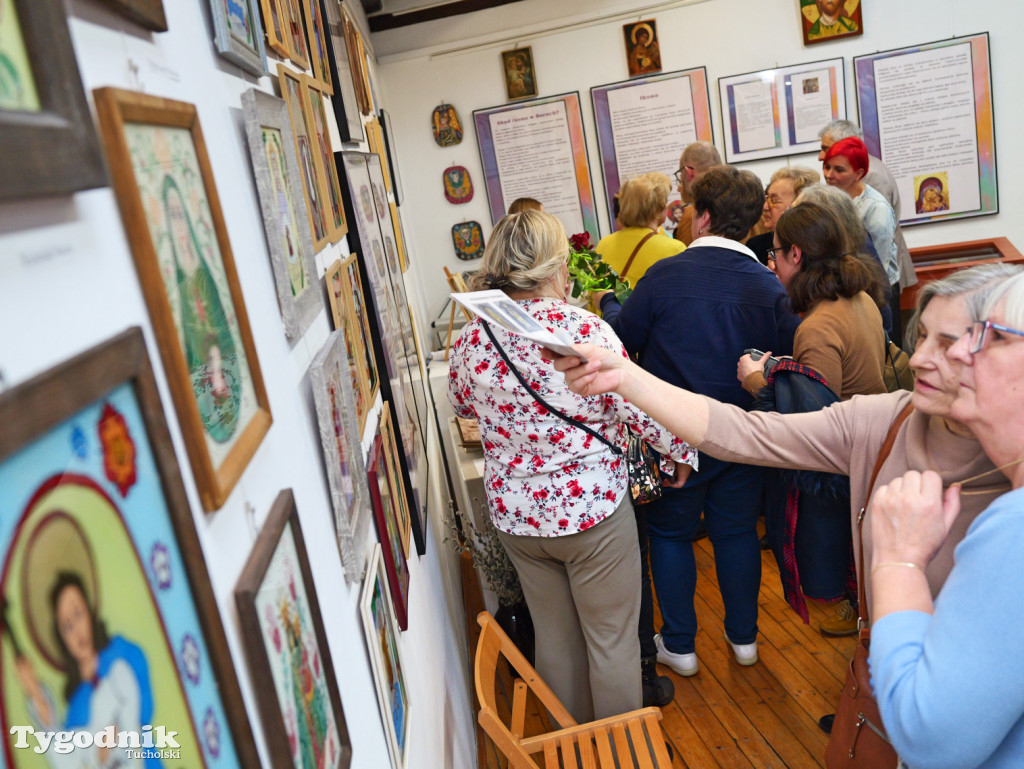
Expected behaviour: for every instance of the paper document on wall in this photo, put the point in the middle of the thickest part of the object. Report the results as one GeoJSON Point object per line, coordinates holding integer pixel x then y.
{"type": "Point", "coordinates": [496, 307]}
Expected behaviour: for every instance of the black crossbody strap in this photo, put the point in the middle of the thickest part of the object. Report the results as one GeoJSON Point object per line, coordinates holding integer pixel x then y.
{"type": "Point", "coordinates": [617, 450]}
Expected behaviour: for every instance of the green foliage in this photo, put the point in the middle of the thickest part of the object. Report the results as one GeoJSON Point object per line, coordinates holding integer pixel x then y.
{"type": "Point", "coordinates": [590, 273]}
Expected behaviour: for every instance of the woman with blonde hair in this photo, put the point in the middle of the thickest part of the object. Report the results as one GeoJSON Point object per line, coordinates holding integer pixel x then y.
{"type": "Point", "coordinates": [638, 244]}
{"type": "Point", "coordinates": [557, 485]}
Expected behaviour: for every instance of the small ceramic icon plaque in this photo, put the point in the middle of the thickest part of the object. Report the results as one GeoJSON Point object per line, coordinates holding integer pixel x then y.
{"type": "Point", "coordinates": [469, 240]}
{"type": "Point", "coordinates": [458, 187]}
{"type": "Point", "coordinates": [447, 128]}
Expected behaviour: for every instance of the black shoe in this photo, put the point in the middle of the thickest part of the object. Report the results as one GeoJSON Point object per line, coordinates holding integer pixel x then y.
{"type": "Point", "coordinates": [825, 723]}
{"type": "Point", "coordinates": [658, 690]}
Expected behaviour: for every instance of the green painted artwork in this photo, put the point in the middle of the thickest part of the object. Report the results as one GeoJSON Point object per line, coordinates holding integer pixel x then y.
{"type": "Point", "coordinates": [178, 213]}
{"type": "Point", "coordinates": [282, 192]}
{"type": "Point", "coordinates": [17, 84]}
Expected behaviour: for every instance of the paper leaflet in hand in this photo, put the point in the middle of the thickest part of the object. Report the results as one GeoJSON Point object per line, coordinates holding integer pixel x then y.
{"type": "Point", "coordinates": [495, 306]}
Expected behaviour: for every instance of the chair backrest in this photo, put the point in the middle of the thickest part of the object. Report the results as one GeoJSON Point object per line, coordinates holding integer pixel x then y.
{"type": "Point", "coordinates": [493, 646]}
{"type": "Point", "coordinates": [457, 283]}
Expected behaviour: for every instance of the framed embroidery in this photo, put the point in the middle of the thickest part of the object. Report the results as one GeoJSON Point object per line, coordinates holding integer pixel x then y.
{"type": "Point", "coordinates": [387, 513]}
{"type": "Point", "coordinates": [285, 642]}
{"type": "Point", "coordinates": [316, 124]}
{"type": "Point", "coordinates": [238, 34]}
{"type": "Point", "coordinates": [276, 167]}
{"type": "Point", "coordinates": [46, 130]}
{"type": "Point", "coordinates": [295, 36]}
{"type": "Point", "coordinates": [344, 319]}
{"type": "Point", "coordinates": [171, 212]}
{"type": "Point", "coordinates": [96, 536]}
{"type": "Point", "coordinates": [275, 23]}
{"type": "Point", "coordinates": [341, 443]}
{"type": "Point", "coordinates": [382, 640]}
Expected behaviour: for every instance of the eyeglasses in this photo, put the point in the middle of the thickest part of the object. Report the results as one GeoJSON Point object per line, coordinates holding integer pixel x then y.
{"type": "Point", "coordinates": [774, 252]}
{"type": "Point", "coordinates": [773, 201]}
{"type": "Point", "coordinates": [679, 174]}
{"type": "Point", "coordinates": [979, 334]}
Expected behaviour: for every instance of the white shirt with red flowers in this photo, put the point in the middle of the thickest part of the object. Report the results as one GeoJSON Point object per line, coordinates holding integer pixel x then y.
{"type": "Point", "coordinates": [544, 477]}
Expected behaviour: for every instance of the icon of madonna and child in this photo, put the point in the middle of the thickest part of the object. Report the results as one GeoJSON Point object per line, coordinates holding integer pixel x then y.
{"type": "Point", "coordinates": [82, 649]}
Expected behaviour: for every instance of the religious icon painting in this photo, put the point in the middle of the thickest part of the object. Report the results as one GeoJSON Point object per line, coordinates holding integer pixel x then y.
{"type": "Point", "coordinates": [382, 641]}
{"type": "Point", "coordinates": [468, 238]}
{"type": "Point", "coordinates": [824, 20]}
{"type": "Point", "coordinates": [164, 186]}
{"type": "Point", "coordinates": [295, 37]}
{"type": "Point", "coordinates": [239, 34]}
{"type": "Point", "coordinates": [100, 560]}
{"type": "Point", "coordinates": [520, 78]}
{"type": "Point", "coordinates": [447, 126]}
{"type": "Point", "coordinates": [316, 122]}
{"type": "Point", "coordinates": [317, 31]}
{"type": "Point", "coordinates": [345, 319]}
{"type": "Point", "coordinates": [274, 22]}
{"type": "Point", "coordinates": [387, 514]}
{"type": "Point", "coordinates": [458, 187]}
{"type": "Point", "coordinates": [276, 167]}
{"type": "Point", "coordinates": [353, 283]}
{"type": "Point", "coordinates": [340, 441]}
{"type": "Point", "coordinates": [643, 54]}
{"type": "Point", "coordinates": [285, 643]}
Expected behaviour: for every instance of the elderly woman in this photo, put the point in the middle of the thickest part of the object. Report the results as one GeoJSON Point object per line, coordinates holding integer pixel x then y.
{"type": "Point", "coordinates": [845, 166]}
{"type": "Point", "coordinates": [687, 321]}
{"type": "Point", "coordinates": [558, 495]}
{"type": "Point", "coordinates": [783, 188]}
{"type": "Point", "coordinates": [638, 244]}
{"type": "Point", "coordinates": [846, 437]}
{"type": "Point", "coordinates": [946, 670]}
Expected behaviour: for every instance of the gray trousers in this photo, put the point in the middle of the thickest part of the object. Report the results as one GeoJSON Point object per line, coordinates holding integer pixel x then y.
{"type": "Point", "coordinates": [583, 591]}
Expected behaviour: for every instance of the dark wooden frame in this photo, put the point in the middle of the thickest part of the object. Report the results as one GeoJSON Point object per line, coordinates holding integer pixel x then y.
{"type": "Point", "coordinates": [40, 404]}
{"type": "Point", "coordinates": [283, 513]}
{"type": "Point", "coordinates": [148, 13]}
{"type": "Point", "coordinates": [54, 151]}
{"type": "Point", "coordinates": [399, 597]}
{"type": "Point", "coordinates": [115, 107]}
{"type": "Point", "coordinates": [937, 262]}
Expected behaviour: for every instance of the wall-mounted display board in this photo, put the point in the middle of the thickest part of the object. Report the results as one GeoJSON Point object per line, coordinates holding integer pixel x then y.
{"type": "Point", "coordinates": [345, 101]}
{"type": "Point", "coordinates": [926, 111]}
{"type": "Point", "coordinates": [285, 642]}
{"type": "Point", "coordinates": [536, 149]}
{"type": "Point", "coordinates": [777, 112]}
{"type": "Point", "coordinates": [394, 346]}
{"type": "Point", "coordinates": [46, 132]}
{"type": "Point", "coordinates": [171, 211]}
{"type": "Point", "coordinates": [239, 34]}
{"type": "Point", "coordinates": [98, 544]}
{"type": "Point", "coordinates": [644, 124]}
{"type": "Point", "coordinates": [276, 168]}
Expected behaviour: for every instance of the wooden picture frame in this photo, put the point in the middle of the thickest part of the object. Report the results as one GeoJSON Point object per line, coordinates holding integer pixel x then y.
{"type": "Point", "coordinates": [49, 142]}
{"type": "Point", "coordinates": [316, 34]}
{"type": "Point", "coordinates": [848, 22]}
{"type": "Point", "coordinates": [396, 220]}
{"type": "Point", "coordinates": [375, 140]}
{"type": "Point", "coordinates": [520, 75]}
{"type": "Point", "coordinates": [357, 61]}
{"type": "Point", "coordinates": [285, 643]}
{"type": "Point", "coordinates": [341, 443]}
{"type": "Point", "coordinates": [238, 34]}
{"type": "Point", "coordinates": [345, 320]}
{"type": "Point", "coordinates": [298, 48]}
{"type": "Point", "coordinates": [93, 500]}
{"type": "Point", "coordinates": [392, 154]}
{"type": "Point", "coordinates": [387, 516]}
{"type": "Point", "coordinates": [390, 448]}
{"type": "Point", "coordinates": [275, 26]}
{"type": "Point", "coordinates": [293, 93]}
{"type": "Point", "coordinates": [642, 57]}
{"type": "Point", "coordinates": [165, 190]}
{"type": "Point", "coordinates": [147, 13]}
{"type": "Point", "coordinates": [353, 283]}
{"type": "Point", "coordinates": [276, 168]}
{"type": "Point", "coordinates": [345, 101]}
{"type": "Point", "coordinates": [382, 641]}
{"type": "Point", "coordinates": [316, 123]}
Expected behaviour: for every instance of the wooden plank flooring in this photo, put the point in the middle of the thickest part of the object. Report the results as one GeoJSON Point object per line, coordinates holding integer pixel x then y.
{"type": "Point", "coordinates": [764, 716]}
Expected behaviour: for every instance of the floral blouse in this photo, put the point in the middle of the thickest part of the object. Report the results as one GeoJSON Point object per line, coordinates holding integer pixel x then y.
{"type": "Point", "coordinates": [545, 478]}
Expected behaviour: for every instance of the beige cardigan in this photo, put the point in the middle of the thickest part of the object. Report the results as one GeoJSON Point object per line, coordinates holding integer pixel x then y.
{"type": "Point", "coordinates": [845, 438]}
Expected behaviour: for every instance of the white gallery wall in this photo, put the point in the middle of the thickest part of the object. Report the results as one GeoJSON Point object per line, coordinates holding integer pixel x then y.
{"type": "Point", "coordinates": [68, 282]}
{"type": "Point", "coordinates": [578, 44]}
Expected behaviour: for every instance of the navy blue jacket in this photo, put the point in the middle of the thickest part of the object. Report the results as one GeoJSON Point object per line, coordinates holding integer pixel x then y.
{"type": "Point", "coordinates": [692, 315]}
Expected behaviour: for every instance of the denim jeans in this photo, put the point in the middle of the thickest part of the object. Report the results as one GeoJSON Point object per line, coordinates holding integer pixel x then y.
{"type": "Point", "coordinates": [729, 495]}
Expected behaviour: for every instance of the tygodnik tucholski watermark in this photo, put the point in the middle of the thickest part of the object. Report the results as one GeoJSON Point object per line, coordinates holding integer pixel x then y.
{"type": "Point", "coordinates": [151, 742]}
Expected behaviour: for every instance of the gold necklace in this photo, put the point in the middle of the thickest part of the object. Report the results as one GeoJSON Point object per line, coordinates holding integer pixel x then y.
{"type": "Point", "coordinates": [999, 489]}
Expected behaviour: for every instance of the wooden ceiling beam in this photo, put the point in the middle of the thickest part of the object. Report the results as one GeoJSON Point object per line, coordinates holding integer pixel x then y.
{"type": "Point", "coordinates": [382, 21]}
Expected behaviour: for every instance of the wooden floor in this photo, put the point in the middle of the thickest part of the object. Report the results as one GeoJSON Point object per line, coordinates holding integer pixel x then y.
{"type": "Point", "coordinates": [763, 716]}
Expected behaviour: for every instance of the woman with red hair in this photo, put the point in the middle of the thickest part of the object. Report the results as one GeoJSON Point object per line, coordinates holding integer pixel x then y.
{"type": "Point", "coordinates": [845, 164]}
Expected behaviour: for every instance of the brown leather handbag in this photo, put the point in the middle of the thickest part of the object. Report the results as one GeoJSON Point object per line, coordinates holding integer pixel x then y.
{"type": "Point", "coordinates": [858, 739]}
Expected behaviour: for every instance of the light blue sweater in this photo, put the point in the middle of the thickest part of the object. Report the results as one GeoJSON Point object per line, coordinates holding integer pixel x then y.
{"type": "Point", "coordinates": [951, 685]}
{"type": "Point", "coordinates": [879, 220]}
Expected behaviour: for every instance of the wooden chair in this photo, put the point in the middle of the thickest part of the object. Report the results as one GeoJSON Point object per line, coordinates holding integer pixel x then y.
{"type": "Point", "coordinates": [457, 284]}
{"type": "Point", "coordinates": [631, 740]}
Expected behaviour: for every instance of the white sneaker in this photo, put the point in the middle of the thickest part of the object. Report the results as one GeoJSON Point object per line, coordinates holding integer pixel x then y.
{"type": "Point", "coordinates": [683, 664]}
{"type": "Point", "coordinates": [746, 654]}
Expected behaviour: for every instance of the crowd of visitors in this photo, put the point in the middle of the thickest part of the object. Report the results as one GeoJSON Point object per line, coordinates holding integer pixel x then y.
{"type": "Point", "coordinates": [812, 274]}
